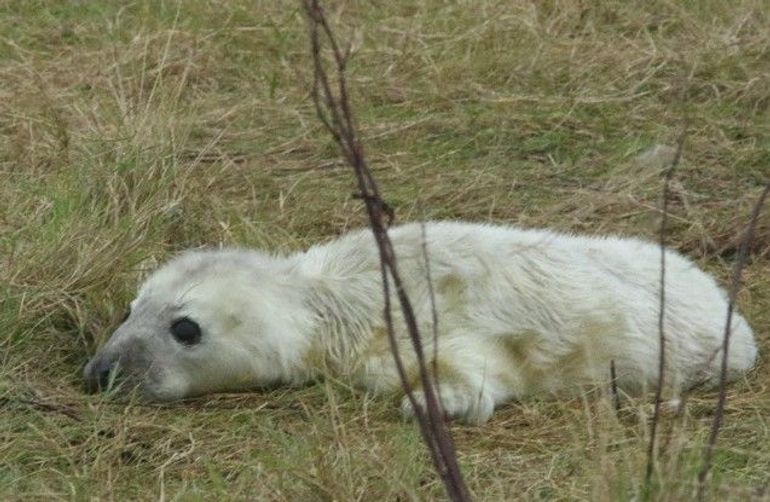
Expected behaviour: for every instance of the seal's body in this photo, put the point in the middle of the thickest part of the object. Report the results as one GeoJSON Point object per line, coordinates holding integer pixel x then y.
{"type": "Point", "coordinates": [520, 312]}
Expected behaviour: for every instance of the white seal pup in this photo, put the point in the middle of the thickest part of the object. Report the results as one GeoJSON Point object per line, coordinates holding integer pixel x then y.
{"type": "Point", "coordinates": [520, 312]}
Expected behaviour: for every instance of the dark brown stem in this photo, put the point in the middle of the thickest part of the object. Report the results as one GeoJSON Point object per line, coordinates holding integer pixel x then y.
{"type": "Point", "coordinates": [432, 298]}
{"type": "Point", "coordinates": [662, 306]}
{"type": "Point", "coordinates": [614, 387]}
{"type": "Point", "coordinates": [57, 408]}
{"type": "Point", "coordinates": [335, 113]}
{"type": "Point", "coordinates": [735, 287]}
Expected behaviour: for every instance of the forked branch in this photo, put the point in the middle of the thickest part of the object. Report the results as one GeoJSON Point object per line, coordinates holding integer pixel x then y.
{"type": "Point", "coordinates": [332, 104]}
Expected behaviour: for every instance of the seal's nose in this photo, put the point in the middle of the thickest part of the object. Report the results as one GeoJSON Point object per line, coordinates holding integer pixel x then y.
{"type": "Point", "coordinates": [98, 371]}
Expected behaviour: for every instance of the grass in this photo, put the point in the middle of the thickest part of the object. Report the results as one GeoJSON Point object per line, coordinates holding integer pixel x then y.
{"type": "Point", "coordinates": [132, 131]}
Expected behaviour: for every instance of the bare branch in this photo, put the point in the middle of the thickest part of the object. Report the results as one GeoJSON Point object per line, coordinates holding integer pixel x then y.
{"type": "Point", "coordinates": [735, 287]}
{"type": "Point", "coordinates": [614, 387]}
{"type": "Point", "coordinates": [46, 406]}
{"type": "Point", "coordinates": [662, 308]}
{"type": "Point", "coordinates": [335, 113]}
{"type": "Point", "coordinates": [432, 298]}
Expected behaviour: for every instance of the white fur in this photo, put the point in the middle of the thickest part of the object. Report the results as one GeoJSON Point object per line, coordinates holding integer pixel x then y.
{"type": "Point", "coordinates": [520, 312]}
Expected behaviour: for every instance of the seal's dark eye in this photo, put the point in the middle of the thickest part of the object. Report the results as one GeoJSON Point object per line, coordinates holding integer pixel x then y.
{"type": "Point", "coordinates": [186, 331]}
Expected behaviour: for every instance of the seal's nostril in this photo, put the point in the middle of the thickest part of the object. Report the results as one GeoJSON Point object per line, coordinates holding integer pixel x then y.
{"type": "Point", "coordinates": [98, 373]}
{"type": "Point", "coordinates": [104, 378]}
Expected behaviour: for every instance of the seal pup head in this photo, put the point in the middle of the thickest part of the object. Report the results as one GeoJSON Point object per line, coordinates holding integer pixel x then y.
{"type": "Point", "coordinates": [207, 321]}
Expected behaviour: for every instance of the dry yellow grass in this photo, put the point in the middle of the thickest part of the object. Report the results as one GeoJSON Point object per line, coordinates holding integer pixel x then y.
{"type": "Point", "coordinates": [132, 131]}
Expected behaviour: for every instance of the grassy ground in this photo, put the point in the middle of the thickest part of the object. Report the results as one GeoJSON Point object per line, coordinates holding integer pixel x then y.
{"type": "Point", "coordinates": [131, 131]}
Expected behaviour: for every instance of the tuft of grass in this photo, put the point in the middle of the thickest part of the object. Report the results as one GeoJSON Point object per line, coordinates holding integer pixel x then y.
{"type": "Point", "coordinates": [133, 131]}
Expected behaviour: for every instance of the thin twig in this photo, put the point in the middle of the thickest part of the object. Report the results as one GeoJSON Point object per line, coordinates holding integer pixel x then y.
{"type": "Point", "coordinates": [614, 387]}
{"type": "Point", "coordinates": [432, 298]}
{"type": "Point", "coordinates": [335, 113]}
{"type": "Point", "coordinates": [662, 307]}
{"type": "Point", "coordinates": [735, 287]}
{"type": "Point", "coordinates": [45, 406]}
